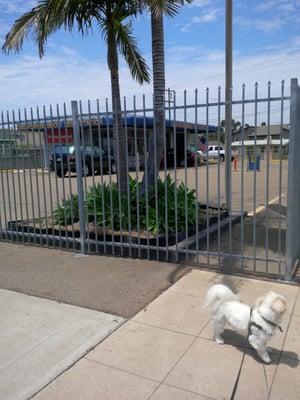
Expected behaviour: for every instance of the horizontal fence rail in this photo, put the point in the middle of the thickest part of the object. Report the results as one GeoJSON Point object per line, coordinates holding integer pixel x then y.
{"type": "Point", "coordinates": [83, 178]}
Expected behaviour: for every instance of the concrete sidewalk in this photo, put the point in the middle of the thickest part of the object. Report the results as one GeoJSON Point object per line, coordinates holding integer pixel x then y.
{"type": "Point", "coordinates": [166, 352]}
{"type": "Point", "coordinates": [39, 339]}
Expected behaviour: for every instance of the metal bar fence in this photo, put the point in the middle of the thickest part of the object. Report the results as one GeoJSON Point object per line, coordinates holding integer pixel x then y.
{"type": "Point", "coordinates": [72, 199]}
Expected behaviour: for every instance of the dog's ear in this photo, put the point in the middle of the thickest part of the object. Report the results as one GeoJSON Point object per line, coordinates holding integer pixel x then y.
{"type": "Point", "coordinates": [279, 305]}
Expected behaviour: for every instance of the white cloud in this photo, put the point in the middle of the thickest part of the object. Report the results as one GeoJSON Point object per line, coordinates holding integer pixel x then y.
{"type": "Point", "coordinates": [264, 25]}
{"type": "Point", "coordinates": [16, 6]}
{"type": "Point", "coordinates": [272, 15]}
{"type": "Point", "coordinates": [269, 26]}
{"type": "Point", "coordinates": [211, 15]}
{"type": "Point", "coordinates": [27, 81]}
{"type": "Point", "coordinates": [200, 3]}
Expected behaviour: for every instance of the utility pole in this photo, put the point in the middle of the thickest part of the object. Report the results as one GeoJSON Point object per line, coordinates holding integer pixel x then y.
{"type": "Point", "coordinates": [169, 100]}
{"type": "Point", "coordinates": [228, 101]}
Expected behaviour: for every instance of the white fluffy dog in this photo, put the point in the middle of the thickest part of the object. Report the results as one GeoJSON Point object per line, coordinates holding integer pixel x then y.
{"type": "Point", "coordinates": [258, 324]}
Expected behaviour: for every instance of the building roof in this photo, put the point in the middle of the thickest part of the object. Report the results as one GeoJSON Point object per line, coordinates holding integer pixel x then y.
{"type": "Point", "coordinates": [264, 130]}
{"type": "Point", "coordinates": [140, 122]}
{"type": "Point", "coordinates": [131, 121]}
{"type": "Point", "coordinates": [263, 142]}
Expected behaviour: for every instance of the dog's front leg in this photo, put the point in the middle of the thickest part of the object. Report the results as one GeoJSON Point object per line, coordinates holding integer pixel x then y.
{"type": "Point", "coordinates": [260, 349]}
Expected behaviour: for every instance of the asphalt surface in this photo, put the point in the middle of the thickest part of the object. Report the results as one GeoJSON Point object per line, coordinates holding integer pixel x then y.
{"type": "Point", "coordinates": [113, 285]}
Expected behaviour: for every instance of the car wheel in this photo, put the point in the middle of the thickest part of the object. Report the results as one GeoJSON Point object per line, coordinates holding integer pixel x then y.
{"type": "Point", "coordinates": [113, 168]}
{"type": "Point", "coordinates": [222, 158]}
{"type": "Point", "coordinates": [60, 173]}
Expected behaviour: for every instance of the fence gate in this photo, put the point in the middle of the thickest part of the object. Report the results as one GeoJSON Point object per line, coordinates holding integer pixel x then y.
{"type": "Point", "coordinates": [71, 178]}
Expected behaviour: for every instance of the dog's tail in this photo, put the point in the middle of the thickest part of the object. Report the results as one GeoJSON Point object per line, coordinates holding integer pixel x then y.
{"type": "Point", "coordinates": [217, 295]}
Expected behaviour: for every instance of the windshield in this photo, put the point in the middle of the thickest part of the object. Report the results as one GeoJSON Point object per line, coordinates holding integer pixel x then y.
{"type": "Point", "coordinates": [64, 149]}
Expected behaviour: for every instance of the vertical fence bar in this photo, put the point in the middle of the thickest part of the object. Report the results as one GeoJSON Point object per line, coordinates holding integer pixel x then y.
{"type": "Point", "coordinates": [78, 160]}
{"type": "Point", "coordinates": [254, 178]}
{"type": "Point", "coordinates": [18, 175]}
{"type": "Point", "coordinates": [207, 178]}
{"type": "Point", "coordinates": [293, 201]}
{"type": "Point", "coordinates": [166, 185]}
{"type": "Point", "coordinates": [93, 167]}
{"type": "Point", "coordinates": [30, 177]}
{"type": "Point", "coordinates": [37, 191]}
{"type": "Point", "coordinates": [242, 176]}
{"type": "Point", "coordinates": [219, 176]}
{"type": "Point", "coordinates": [86, 170]}
{"type": "Point", "coordinates": [2, 169]}
{"type": "Point", "coordinates": [7, 178]}
{"type": "Point", "coordinates": [62, 167]}
{"type": "Point", "coordinates": [49, 168]}
{"type": "Point", "coordinates": [24, 175]}
{"type": "Point", "coordinates": [175, 176]}
{"type": "Point", "coordinates": [137, 175]}
{"type": "Point", "coordinates": [128, 180]}
{"type": "Point", "coordinates": [110, 181]}
{"type": "Point", "coordinates": [268, 175]}
{"type": "Point", "coordinates": [185, 178]}
{"type": "Point", "coordinates": [43, 173]}
{"type": "Point", "coordinates": [280, 178]}
{"type": "Point", "coordinates": [65, 121]}
{"type": "Point", "coordinates": [101, 177]}
{"type": "Point", "coordinates": [196, 177]}
{"type": "Point", "coordinates": [13, 167]}
{"type": "Point", "coordinates": [118, 180]}
{"type": "Point", "coordinates": [146, 174]}
{"type": "Point", "coordinates": [56, 170]}
{"type": "Point", "coordinates": [156, 174]}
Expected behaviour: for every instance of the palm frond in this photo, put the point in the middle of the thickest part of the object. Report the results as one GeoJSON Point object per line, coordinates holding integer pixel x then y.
{"type": "Point", "coordinates": [46, 18]}
{"type": "Point", "coordinates": [129, 49]}
{"type": "Point", "coordinates": [167, 7]}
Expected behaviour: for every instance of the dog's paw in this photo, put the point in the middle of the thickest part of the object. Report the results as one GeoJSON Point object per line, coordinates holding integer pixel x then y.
{"type": "Point", "coordinates": [266, 359]}
{"type": "Point", "coordinates": [219, 340]}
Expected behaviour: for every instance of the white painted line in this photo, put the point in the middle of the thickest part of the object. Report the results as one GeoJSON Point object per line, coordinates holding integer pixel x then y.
{"type": "Point", "coordinates": [261, 208]}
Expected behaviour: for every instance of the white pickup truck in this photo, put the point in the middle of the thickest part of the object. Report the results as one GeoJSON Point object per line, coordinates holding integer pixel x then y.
{"type": "Point", "coordinates": [213, 152]}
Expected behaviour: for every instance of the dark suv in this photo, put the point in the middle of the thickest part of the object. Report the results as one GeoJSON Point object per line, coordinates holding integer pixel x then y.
{"type": "Point", "coordinates": [62, 160]}
{"type": "Point", "coordinates": [180, 157]}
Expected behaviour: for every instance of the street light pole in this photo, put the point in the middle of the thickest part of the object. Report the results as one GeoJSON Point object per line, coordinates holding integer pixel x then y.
{"type": "Point", "coordinates": [228, 101]}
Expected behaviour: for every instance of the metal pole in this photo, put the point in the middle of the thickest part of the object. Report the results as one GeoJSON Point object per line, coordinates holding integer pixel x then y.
{"type": "Point", "coordinates": [228, 102]}
{"type": "Point", "coordinates": [293, 198]}
{"type": "Point", "coordinates": [78, 160]}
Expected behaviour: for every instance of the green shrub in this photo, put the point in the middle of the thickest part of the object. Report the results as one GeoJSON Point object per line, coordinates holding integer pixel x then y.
{"type": "Point", "coordinates": [67, 212]}
{"type": "Point", "coordinates": [104, 204]}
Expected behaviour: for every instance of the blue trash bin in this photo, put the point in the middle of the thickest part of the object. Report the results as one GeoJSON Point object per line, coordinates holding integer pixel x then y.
{"type": "Point", "coordinates": [254, 164]}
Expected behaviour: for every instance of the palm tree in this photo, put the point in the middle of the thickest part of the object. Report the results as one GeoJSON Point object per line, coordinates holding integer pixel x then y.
{"type": "Point", "coordinates": [111, 16]}
{"type": "Point", "coordinates": [158, 8]}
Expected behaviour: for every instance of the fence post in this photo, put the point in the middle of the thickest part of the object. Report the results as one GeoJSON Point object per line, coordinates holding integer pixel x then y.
{"type": "Point", "coordinates": [293, 200]}
{"type": "Point", "coordinates": [78, 160]}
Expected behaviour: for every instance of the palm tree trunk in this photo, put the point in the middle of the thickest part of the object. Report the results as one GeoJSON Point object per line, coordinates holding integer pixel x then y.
{"type": "Point", "coordinates": [119, 143]}
{"type": "Point", "coordinates": [157, 137]}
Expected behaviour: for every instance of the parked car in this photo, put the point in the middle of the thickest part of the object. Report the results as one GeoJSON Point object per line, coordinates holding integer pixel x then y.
{"type": "Point", "coordinates": [63, 160]}
{"type": "Point", "coordinates": [213, 152]}
{"type": "Point", "coordinates": [180, 157]}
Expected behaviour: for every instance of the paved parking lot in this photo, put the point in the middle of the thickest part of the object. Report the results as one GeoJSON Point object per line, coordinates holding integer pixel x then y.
{"type": "Point", "coordinates": [43, 190]}
{"type": "Point", "coordinates": [261, 234]}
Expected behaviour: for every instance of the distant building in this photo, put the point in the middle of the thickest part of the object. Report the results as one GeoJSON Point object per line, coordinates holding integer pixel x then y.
{"type": "Point", "coordinates": [261, 132]}
{"type": "Point", "coordinates": [256, 140]}
{"type": "Point", "coordinates": [99, 132]}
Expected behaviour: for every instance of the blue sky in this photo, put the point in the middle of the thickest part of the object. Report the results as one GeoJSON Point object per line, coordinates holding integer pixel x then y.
{"type": "Point", "coordinates": [266, 47]}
